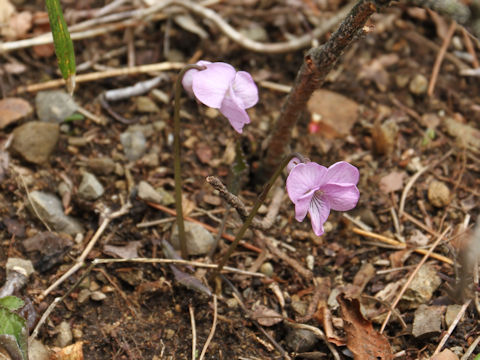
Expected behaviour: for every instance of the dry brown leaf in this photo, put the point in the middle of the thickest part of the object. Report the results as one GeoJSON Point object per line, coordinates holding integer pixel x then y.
{"type": "Point", "coordinates": [204, 152]}
{"type": "Point", "coordinates": [392, 182]}
{"type": "Point", "coordinates": [70, 352]}
{"type": "Point", "coordinates": [337, 113]}
{"type": "Point", "coordinates": [362, 339]}
{"type": "Point", "coordinates": [128, 251]}
{"type": "Point", "coordinates": [13, 109]}
{"type": "Point", "coordinates": [266, 316]}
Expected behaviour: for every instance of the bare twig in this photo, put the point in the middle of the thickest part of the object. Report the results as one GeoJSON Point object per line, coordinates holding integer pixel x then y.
{"type": "Point", "coordinates": [194, 331]}
{"type": "Point", "coordinates": [440, 56]}
{"type": "Point", "coordinates": [452, 327]}
{"type": "Point", "coordinates": [80, 262]}
{"type": "Point", "coordinates": [471, 349]}
{"type": "Point", "coordinates": [212, 330]}
{"type": "Point", "coordinates": [412, 275]}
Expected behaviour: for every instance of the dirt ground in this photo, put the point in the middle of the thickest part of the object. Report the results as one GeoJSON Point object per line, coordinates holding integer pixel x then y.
{"type": "Point", "coordinates": [419, 163]}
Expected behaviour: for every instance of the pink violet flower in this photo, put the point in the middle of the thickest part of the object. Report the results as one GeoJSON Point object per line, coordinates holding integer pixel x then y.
{"type": "Point", "coordinates": [220, 87]}
{"type": "Point", "coordinates": [317, 190]}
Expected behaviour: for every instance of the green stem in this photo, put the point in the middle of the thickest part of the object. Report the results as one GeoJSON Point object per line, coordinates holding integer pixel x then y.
{"type": "Point", "coordinates": [255, 208]}
{"type": "Point", "coordinates": [176, 165]}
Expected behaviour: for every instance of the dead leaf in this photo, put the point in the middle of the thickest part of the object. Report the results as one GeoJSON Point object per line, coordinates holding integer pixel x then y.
{"type": "Point", "coordinates": [6, 11]}
{"type": "Point", "coordinates": [189, 281]}
{"type": "Point", "coordinates": [440, 24]}
{"type": "Point", "coordinates": [392, 182]}
{"type": "Point", "coordinates": [266, 316]}
{"type": "Point", "coordinates": [13, 109]}
{"type": "Point", "coordinates": [46, 249]}
{"type": "Point", "coordinates": [18, 25]}
{"type": "Point", "coordinates": [445, 355]}
{"type": "Point", "coordinates": [128, 251]}
{"type": "Point", "coordinates": [337, 114]}
{"type": "Point", "coordinates": [204, 152]}
{"type": "Point", "coordinates": [362, 339]}
{"type": "Point", "coordinates": [70, 352]}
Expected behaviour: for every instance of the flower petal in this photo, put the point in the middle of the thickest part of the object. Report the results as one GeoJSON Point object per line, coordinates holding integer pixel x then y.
{"type": "Point", "coordinates": [234, 112]}
{"type": "Point", "coordinates": [187, 79]}
{"type": "Point", "coordinates": [319, 211]}
{"type": "Point", "coordinates": [341, 197]}
{"type": "Point", "coordinates": [303, 179]}
{"type": "Point", "coordinates": [245, 89]}
{"type": "Point", "coordinates": [342, 173]}
{"type": "Point", "coordinates": [211, 85]}
{"type": "Point", "coordinates": [302, 205]}
{"type": "Point", "coordinates": [292, 163]}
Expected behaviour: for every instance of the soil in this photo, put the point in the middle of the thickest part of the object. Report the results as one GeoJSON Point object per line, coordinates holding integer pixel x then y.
{"type": "Point", "coordinates": [146, 315]}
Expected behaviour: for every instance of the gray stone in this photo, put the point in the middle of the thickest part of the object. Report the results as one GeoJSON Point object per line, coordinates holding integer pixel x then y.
{"type": "Point", "coordinates": [49, 208]}
{"type": "Point", "coordinates": [167, 198]}
{"type": "Point", "coordinates": [35, 141]}
{"type": "Point", "coordinates": [90, 188]}
{"type": "Point", "coordinates": [427, 321]}
{"type": "Point", "coordinates": [145, 105]}
{"type": "Point", "coordinates": [301, 340]}
{"type": "Point", "coordinates": [422, 287]}
{"type": "Point", "coordinates": [37, 351]}
{"type": "Point", "coordinates": [102, 166]}
{"type": "Point", "coordinates": [451, 314]}
{"type": "Point", "coordinates": [64, 336]}
{"type": "Point", "coordinates": [146, 192]}
{"type": "Point", "coordinates": [54, 106]}
{"type": "Point", "coordinates": [199, 240]}
{"type": "Point", "coordinates": [134, 144]}
{"type": "Point", "coordinates": [24, 267]}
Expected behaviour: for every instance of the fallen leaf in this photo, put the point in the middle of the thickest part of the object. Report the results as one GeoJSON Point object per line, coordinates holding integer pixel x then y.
{"type": "Point", "coordinates": [266, 316]}
{"type": "Point", "coordinates": [6, 11]}
{"type": "Point", "coordinates": [46, 249]}
{"type": "Point", "coordinates": [70, 352]}
{"type": "Point", "coordinates": [189, 281]}
{"type": "Point", "coordinates": [362, 339]}
{"type": "Point", "coordinates": [336, 113]}
{"type": "Point", "coordinates": [18, 25]}
{"type": "Point", "coordinates": [375, 70]}
{"type": "Point", "coordinates": [13, 109]}
{"type": "Point", "coordinates": [128, 251]}
{"type": "Point", "coordinates": [392, 182]}
{"type": "Point", "coordinates": [204, 152]}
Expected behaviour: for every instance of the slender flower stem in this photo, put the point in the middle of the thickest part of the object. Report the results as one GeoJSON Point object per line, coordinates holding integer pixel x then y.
{"type": "Point", "coordinates": [255, 208]}
{"type": "Point", "coordinates": [176, 165]}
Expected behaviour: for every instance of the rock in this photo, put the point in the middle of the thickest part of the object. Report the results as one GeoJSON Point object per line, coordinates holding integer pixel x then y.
{"type": "Point", "coordinates": [422, 287]}
{"type": "Point", "coordinates": [64, 336]}
{"type": "Point", "coordinates": [438, 194]}
{"type": "Point", "coordinates": [310, 260]}
{"type": "Point", "coordinates": [101, 166]}
{"type": "Point", "coordinates": [427, 320]}
{"type": "Point", "coordinates": [451, 314]}
{"type": "Point", "coordinates": [90, 188]}
{"type": "Point", "coordinates": [465, 135]}
{"type": "Point", "coordinates": [146, 192]}
{"type": "Point", "coordinates": [21, 266]}
{"type": "Point", "coordinates": [134, 144]}
{"type": "Point", "coordinates": [167, 198]}
{"type": "Point", "coordinates": [98, 296]}
{"type": "Point", "coordinates": [336, 113]}
{"type": "Point", "coordinates": [301, 340]}
{"type": "Point", "coordinates": [132, 277]}
{"type": "Point", "coordinates": [418, 85]}
{"type": "Point", "coordinates": [199, 240]}
{"type": "Point", "coordinates": [384, 136]}
{"type": "Point", "coordinates": [299, 306]}
{"type": "Point", "coordinates": [144, 104]}
{"type": "Point", "coordinates": [35, 141]}
{"type": "Point", "coordinates": [37, 351]}
{"type": "Point", "coordinates": [49, 208]}
{"type": "Point", "coordinates": [12, 110]}
{"type": "Point", "coordinates": [54, 106]}
{"type": "Point", "coordinates": [267, 269]}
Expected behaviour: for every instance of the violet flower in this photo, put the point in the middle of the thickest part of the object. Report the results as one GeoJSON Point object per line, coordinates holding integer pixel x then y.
{"type": "Point", "coordinates": [219, 86]}
{"type": "Point", "coordinates": [315, 189]}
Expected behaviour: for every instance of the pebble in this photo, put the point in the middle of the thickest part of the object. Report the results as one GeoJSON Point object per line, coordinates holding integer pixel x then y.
{"type": "Point", "coordinates": [50, 209]}
{"type": "Point", "coordinates": [427, 321]}
{"type": "Point", "coordinates": [418, 85]}
{"type": "Point", "coordinates": [301, 340]}
{"type": "Point", "coordinates": [64, 336]}
{"type": "Point", "coordinates": [422, 287]}
{"type": "Point", "coordinates": [438, 194]}
{"type": "Point", "coordinates": [22, 266]}
{"type": "Point", "coordinates": [98, 296]}
{"type": "Point", "coordinates": [101, 166]}
{"type": "Point", "coordinates": [451, 314]}
{"type": "Point", "coordinates": [134, 144]}
{"type": "Point", "coordinates": [232, 303]}
{"type": "Point", "coordinates": [167, 198]}
{"type": "Point", "coordinates": [310, 262]}
{"type": "Point", "coordinates": [145, 105]}
{"type": "Point", "coordinates": [77, 333]}
{"type": "Point", "coordinates": [35, 141]}
{"type": "Point", "coordinates": [199, 240]}
{"type": "Point", "coordinates": [267, 269]}
{"type": "Point", "coordinates": [146, 192]}
{"type": "Point", "coordinates": [37, 351]}
{"type": "Point", "coordinates": [54, 106]}
{"type": "Point", "coordinates": [90, 188]}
